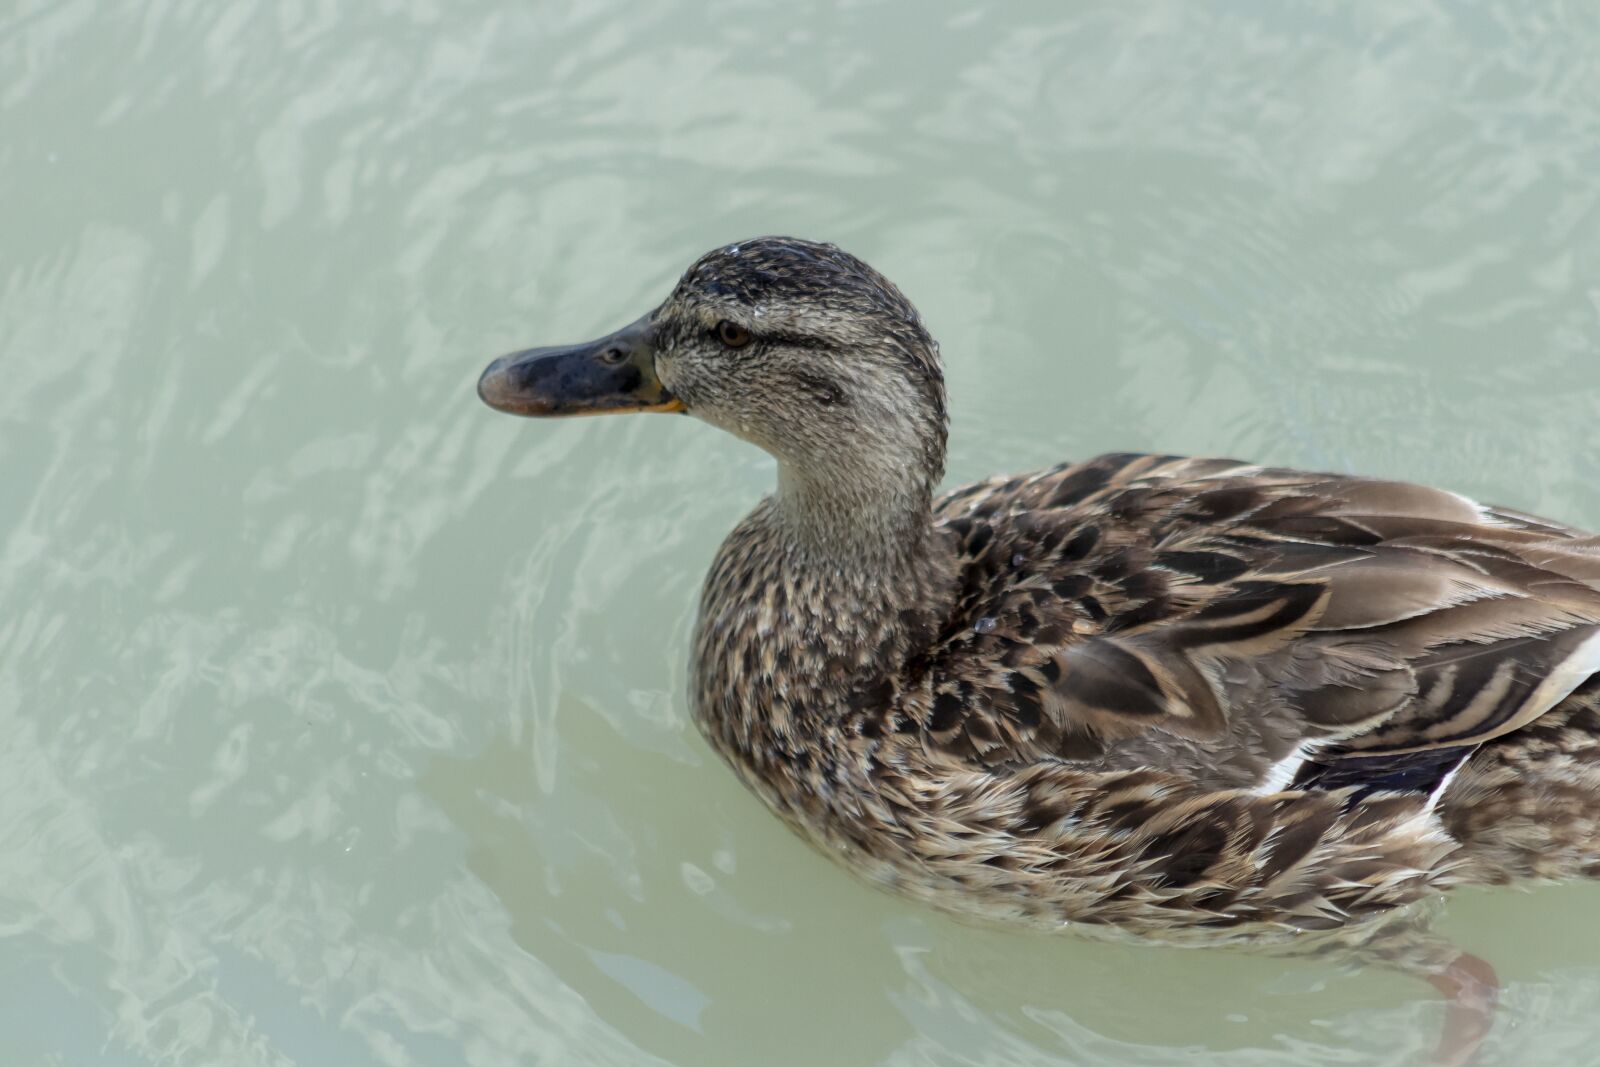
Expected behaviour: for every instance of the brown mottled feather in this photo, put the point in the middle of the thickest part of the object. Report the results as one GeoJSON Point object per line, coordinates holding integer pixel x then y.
{"type": "Point", "coordinates": [1133, 598]}
{"type": "Point", "coordinates": [1085, 732]}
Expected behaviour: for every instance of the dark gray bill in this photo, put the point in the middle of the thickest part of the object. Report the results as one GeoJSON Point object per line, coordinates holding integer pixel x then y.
{"type": "Point", "coordinates": [608, 376]}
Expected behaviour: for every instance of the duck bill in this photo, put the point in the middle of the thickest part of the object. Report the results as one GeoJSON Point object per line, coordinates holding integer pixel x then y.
{"type": "Point", "coordinates": [608, 376]}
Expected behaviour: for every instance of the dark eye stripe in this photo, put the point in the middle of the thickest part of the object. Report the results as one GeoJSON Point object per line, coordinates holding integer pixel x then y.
{"type": "Point", "coordinates": [797, 341]}
{"type": "Point", "coordinates": [789, 340]}
{"type": "Point", "coordinates": [794, 340]}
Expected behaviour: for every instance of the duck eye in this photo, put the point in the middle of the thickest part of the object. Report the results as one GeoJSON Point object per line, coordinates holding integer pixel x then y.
{"type": "Point", "coordinates": [732, 334]}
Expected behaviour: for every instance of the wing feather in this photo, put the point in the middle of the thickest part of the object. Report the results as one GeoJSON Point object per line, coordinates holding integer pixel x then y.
{"type": "Point", "coordinates": [1203, 614]}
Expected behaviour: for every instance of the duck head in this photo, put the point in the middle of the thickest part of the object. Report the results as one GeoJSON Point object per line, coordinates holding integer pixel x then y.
{"type": "Point", "coordinates": [794, 346]}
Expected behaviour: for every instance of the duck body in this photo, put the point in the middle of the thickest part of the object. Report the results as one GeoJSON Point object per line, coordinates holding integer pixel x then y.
{"type": "Point", "coordinates": [1192, 699]}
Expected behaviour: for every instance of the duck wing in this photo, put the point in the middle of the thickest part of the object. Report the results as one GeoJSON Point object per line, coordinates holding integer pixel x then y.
{"type": "Point", "coordinates": [1253, 627]}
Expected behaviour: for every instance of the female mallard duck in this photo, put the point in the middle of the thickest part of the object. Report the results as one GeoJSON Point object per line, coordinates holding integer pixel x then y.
{"type": "Point", "coordinates": [1189, 698]}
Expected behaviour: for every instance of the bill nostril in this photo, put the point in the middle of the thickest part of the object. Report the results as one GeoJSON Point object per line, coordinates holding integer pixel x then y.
{"type": "Point", "coordinates": [612, 356]}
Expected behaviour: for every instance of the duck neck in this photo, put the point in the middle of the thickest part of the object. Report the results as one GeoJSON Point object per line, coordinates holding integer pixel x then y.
{"type": "Point", "coordinates": [878, 525]}
{"type": "Point", "coordinates": [817, 608]}
{"type": "Point", "coordinates": [870, 574]}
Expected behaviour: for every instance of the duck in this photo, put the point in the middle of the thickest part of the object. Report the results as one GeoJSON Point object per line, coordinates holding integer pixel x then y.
{"type": "Point", "coordinates": [1197, 701]}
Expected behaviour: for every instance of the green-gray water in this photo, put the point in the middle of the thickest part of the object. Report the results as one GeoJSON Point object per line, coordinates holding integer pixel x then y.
{"type": "Point", "coordinates": [341, 719]}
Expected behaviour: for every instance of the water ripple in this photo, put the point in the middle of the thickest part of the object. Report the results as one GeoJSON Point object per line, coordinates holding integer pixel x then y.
{"type": "Point", "coordinates": [344, 719]}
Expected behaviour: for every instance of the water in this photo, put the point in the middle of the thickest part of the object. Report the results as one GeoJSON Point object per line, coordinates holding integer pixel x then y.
{"type": "Point", "coordinates": [342, 717]}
